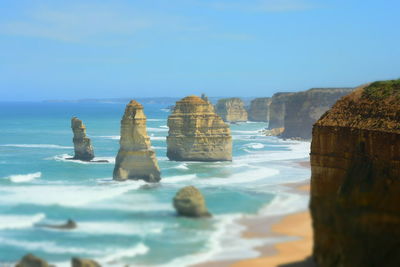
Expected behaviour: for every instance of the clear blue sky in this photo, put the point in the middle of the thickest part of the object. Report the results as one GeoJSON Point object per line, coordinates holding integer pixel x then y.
{"type": "Point", "coordinates": [99, 49]}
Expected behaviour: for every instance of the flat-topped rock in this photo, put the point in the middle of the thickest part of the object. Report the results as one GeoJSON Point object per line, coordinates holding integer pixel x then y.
{"type": "Point", "coordinates": [197, 133]}
{"type": "Point", "coordinates": [231, 109]}
{"type": "Point", "coordinates": [303, 109]}
{"type": "Point", "coordinates": [135, 159]}
{"type": "Point", "coordinates": [82, 144]}
{"type": "Point", "coordinates": [277, 110]}
{"type": "Point", "coordinates": [259, 109]}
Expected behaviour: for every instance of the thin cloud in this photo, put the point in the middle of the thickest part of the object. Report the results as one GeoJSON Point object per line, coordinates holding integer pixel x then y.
{"type": "Point", "coordinates": [264, 5]}
{"type": "Point", "coordinates": [76, 24]}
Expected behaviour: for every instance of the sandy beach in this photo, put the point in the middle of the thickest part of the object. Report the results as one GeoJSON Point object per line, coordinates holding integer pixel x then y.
{"type": "Point", "coordinates": [295, 253]}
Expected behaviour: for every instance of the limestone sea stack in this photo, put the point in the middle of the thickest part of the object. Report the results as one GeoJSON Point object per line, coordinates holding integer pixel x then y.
{"type": "Point", "coordinates": [82, 144]}
{"type": "Point", "coordinates": [135, 159]}
{"type": "Point", "coordinates": [277, 110]}
{"type": "Point", "coordinates": [196, 133]}
{"type": "Point", "coordinates": [231, 109]}
{"type": "Point", "coordinates": [190, 202]}
{"type": "Point", "coordinates": [259, 109]}
{"type": "Point", "coordinates": [303, 109]}
{"type": "Point", "coordinates": [355, 183]}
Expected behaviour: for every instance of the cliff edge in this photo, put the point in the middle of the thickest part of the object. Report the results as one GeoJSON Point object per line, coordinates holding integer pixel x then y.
{"type": "Point", "coordinates": [355, 183]}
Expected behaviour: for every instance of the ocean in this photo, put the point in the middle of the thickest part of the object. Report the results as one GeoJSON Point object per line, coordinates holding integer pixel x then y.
{"type": "Point", "coordinates": [133, 222]}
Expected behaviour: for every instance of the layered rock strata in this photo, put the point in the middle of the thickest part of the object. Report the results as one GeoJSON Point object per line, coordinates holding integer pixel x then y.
{"type": "Point", "coordinates": [196, 133]}
{"type": "Point", "coordinates": [259, 109]}
{"type": "Point", "coordinates": [190, 202]}
{"type": "Point", "coordinates": [303, 109]}
{"type": "Point", "coordinates": [231, 110]}
{"type": "Point", "coordinates": [277, 110]}
{"type": "Point", "coordinates": [355, 183]}
{"type": "Point", "coordinates": [82, 144]}
{"type": "Point", "coordinates": [135, 159]}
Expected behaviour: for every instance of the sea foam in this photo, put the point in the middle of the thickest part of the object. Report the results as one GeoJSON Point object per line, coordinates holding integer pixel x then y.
{"type": "Point", "coordinates": [19, 221]}
{"type": "Point", "coordinates": [22, 178]}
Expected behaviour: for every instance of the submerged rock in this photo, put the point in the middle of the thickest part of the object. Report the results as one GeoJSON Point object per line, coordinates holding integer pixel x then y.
{"type": "Point", "coordinates": [69, 225]}
{"type": "Point", "coordinates": [82, 144]}
{"type": "Point", "coordinates": [355, 183]}
{"type": "Point", "coordinates": [231, 109]}
{"type": "Point", "coordinates": [135, 159]}
{"type": "Point", "coordinates": [303, 109]}
{"type": "Point", "coordinates": [78, 262]}
{"type": "Point", "coordinates": [190, 202]}
{"type": "Point", "coordinates": [30, 260]}
{"type": "Point", "coordinates": [259, 109]}
{"type": "Point", "coordinates": [196, 133]}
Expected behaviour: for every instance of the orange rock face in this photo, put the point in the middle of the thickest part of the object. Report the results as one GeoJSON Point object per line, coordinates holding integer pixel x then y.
{"type": "Point", "coordinates": [355, 184]}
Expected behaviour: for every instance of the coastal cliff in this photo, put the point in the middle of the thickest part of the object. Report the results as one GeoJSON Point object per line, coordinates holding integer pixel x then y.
{"type": "Point", "coordinates": [231, 109]}
{"type": "Point", "coordinates": [303, 109]}
{"type": "Point", "coordinates": [135, 159]}
{"type": "Point", "coordinates": [82, 144]}
{"type": "Point", "coordinates": [355, 183]}
{"type": "Point", "coordinates": [196, 133]}
{"type": "Point", "coordinates": [277, 110]}
{"type": "Point", "coordinates": [259, 109]}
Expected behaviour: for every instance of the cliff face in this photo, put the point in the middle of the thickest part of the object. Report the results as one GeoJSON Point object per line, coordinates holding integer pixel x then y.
{"type": "Point", "coordinates": [303, 109]}
{"type": "Point", "coordinates": [196, 133]}
{"type": "Point", "coordinates": [355, 184]}
{"type": "Point", "coordinates": [231, 110]}
{"type": "Point", "coordinates": [277, 110]}
{"type": "Point", "coordinates": [135, 159]}
{"type": "Point", "coordinates": [82, 144]}
{"type": "Point", "coordinates": [259, 109]}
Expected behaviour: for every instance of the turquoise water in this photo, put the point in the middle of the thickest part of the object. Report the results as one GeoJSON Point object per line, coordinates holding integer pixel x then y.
{"type": "Point", "coordinates": [131, 222]}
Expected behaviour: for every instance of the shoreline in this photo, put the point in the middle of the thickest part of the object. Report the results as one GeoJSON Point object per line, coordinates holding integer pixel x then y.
{"type": "Point", "coordinates": [296, 227]}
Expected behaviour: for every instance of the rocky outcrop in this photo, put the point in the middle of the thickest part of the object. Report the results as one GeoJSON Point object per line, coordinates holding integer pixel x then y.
{"type": "Point", "coordinates": [190, 202]}
{"type": "Point", "coordinates": [355, 183]}
{"type": "Point", "coordinates": [30, 260]}
{"type": "Point", "coordinates": [78, 262]}
{"type": "Point", "coordinates": [82, 144]}
{"type": "Point", "coordinates": [69, 225]}
{"type": "Point", "coordinates": [277, 110]}
{"type": "Point", "coordinates": [135, 159]}
{"type": "Point", "coordinates": [259, 109]}
{"type": "Point", "coordinates": [303, 109]}
{"type": "Point", "coordinates": [273, 132]}
{"type": "Point", "coordinates": [231, 109]}
{"type": "Point", "coordinates": [196, 133]}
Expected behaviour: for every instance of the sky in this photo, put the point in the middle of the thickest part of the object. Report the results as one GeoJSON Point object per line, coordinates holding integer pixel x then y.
{"type": "Point", "coordinates": [109, 49]}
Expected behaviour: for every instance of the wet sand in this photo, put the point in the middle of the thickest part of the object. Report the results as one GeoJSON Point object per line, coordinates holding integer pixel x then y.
{"type": "Point", "coordinates": [297, 226]}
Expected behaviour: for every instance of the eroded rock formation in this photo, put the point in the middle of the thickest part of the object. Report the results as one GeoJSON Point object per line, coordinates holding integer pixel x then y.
{"type": "Point", "coordinates": [135, 159]}
{"type": "Point", "coordinates": [277, 110]}
{"type": "Point", "coordinates": [355, 184]}
{"type": "Point", "coordinates": [259, 109]}
{"type": "Point", "coordinates": [78, 262]}
{"type": "Point", "coordinates": [190, 202]}
{"type": "Point", "coordinates": [82, 144]}
{"type": "Point", "coordinates": [196, 133]}
{"type": "Point", "coordinates": [303, 109]}
{"type": "Point", "coordinates": [231, 109]}
{"type": "Point", "coordinates": [30, 260]}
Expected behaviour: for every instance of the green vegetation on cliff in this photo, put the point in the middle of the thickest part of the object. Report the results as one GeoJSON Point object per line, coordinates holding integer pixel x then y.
{"type": "Point", "coordinates": [382, 89]}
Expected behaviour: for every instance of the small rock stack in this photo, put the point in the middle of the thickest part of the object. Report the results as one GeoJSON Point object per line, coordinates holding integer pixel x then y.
{"type": "Point", "coordinates": [82, 144]}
